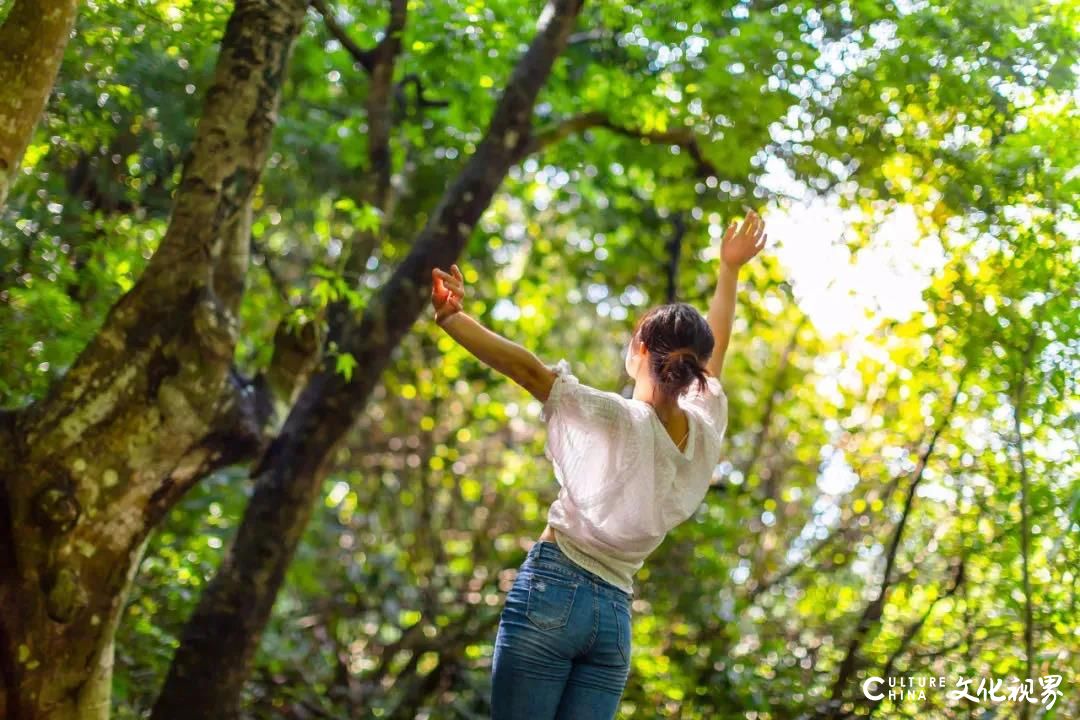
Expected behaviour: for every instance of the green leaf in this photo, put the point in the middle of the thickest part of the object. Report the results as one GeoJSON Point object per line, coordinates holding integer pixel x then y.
{"type": "Point", "coordinates": [345, 365]}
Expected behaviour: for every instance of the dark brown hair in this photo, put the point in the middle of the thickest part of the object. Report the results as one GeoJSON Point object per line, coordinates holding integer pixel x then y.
{"type": "Point", "coordinates": [680, 342]}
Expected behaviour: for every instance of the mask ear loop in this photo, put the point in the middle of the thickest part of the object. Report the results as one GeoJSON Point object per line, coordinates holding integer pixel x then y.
{"type": "Point", "coordinates": [628, 355]}
{"type": "Point", "coordinates": [633, 349]}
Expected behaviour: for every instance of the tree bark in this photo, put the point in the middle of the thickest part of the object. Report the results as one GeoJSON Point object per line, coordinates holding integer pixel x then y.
{"type": "Point", "coordinates": [33, 38]}
{"type": "Point", "coordinates": [151, 404]}
{"type": "Point", "coordinates": [222, 635]}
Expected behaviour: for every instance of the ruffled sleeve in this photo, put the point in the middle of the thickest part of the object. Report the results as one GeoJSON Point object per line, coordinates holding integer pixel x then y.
{"type": "Point", "coordinates": [712, 402]}
{"type": "Point", "coordinates": [576, 403]}
{"type": "Point", "coordinates": [584, 427]}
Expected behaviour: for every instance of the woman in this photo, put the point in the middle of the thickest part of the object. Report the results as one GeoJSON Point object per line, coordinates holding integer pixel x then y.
{"type": "Point", "coordinates": [629, 470]}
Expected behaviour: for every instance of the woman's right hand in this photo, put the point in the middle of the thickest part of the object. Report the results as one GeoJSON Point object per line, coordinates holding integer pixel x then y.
{"type": "Point", "coordinates": [447, 292]}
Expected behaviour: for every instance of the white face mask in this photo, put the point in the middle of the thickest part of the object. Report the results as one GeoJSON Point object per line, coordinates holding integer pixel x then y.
{"type": "Point", "coordinates": [632, 359]}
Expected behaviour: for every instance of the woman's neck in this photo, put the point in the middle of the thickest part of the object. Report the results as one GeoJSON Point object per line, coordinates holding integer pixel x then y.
{"type": "Point", "coordinates": [665, 407]}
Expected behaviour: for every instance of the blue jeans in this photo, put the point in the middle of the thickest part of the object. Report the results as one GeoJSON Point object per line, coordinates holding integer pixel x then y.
{"type": "Point", "coordinates": [563, 647]}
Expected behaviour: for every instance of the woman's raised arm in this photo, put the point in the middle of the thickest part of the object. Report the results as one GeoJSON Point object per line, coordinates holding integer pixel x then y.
{"type": "Point", "coordinates": [490, 348]}
{"type": "Point", "coordinates": [737, 247]}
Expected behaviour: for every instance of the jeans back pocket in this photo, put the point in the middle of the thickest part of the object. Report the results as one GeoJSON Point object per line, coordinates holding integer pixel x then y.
{"type": "Point", "coordinates": [550, 600]}
{"type": "Point", "coordinates": [622, 630]}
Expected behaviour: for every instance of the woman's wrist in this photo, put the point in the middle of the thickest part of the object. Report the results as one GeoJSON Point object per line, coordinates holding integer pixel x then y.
{"type": "Point", "coordinates": [732, 270]}
{"type": "Point", "coordinates": [727, 281]}
{"type": "Point", "coordinates": [442, 321]}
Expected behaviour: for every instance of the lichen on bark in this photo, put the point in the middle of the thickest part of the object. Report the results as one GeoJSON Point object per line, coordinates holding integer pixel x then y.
{"type": "Point", "coordinates": [149, 407]}
{"type": "Point", "coordinates": [33, 36]}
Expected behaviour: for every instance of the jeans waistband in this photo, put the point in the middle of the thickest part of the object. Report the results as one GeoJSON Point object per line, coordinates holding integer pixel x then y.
{"type": "Point", "coordinates": [549, 552]}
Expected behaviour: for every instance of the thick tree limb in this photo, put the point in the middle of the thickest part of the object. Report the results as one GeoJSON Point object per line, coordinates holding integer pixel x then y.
{"type": "Point", "coordinates": [8, 654]}
{"type": "Point", "coordinates": [683, 138]}
{"type": "Point", "coordinates": [220, 639]}
{"type": "Point", "coordinates": [150, 404]}
{"type": "Point", "coordinates": [32, 38]}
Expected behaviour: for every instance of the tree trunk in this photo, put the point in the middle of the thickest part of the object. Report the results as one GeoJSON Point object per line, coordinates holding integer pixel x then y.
{"type": "Point", "coordinates": [32, 38]}
{"type": "Point", "coordinates": [222, 635]}
{"type": "Point", "coordinates": [150, 406]}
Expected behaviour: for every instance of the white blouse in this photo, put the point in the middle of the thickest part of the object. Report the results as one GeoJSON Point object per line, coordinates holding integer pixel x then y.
{"type": "Point", "coordinates": [624, 482]}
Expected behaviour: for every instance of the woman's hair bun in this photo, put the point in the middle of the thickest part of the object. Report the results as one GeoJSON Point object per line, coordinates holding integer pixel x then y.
{"type": "Point", "coordinates": [679, 370]}
{"type": "Point", "coordinates": [678, 338]}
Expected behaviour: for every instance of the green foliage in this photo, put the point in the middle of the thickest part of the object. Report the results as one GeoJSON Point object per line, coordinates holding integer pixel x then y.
{"type": "Point", "coordinates": [964, 112]}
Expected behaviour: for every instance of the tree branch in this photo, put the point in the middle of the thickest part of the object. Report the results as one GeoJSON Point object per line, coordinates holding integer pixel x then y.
{"type": "Point", "coordinates": [781, 576]}
{"type": "Point", "coordinates": [674, 248]}
{"type": "Point", "coordinates": [365, 58]}
{"type": "Point", "coordinates": [683, 138]}
{"type": "Point", "coordinates": [379, 107]}
{"type": "Point", "coordinates": [279, 283]}
{"type": "Point", "coordinates": [219, 641]}
{"type": "Point", "coordinates": [871, 614]}
{"type": "Point", "coordinates": [839, 533]}
{"type": "Point", "coordinates": [913, 630]}
{"type": "Point", "coordinates": [33, 37]}
{"type": "Point", "coordinates": [774, 396]}
{"type": "Point", "coordinates": [420, 99]}
{"type": "Point", "coordinates": [1019, 398]}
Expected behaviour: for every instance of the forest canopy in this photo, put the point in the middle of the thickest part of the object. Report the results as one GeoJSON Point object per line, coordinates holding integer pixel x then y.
{"type": "Point", "coordinates": [243, 474]}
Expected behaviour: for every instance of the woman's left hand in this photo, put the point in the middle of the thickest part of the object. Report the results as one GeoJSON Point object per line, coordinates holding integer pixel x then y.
{"type": "Point", "coordinates": [447, 292]}
{"type": "Point", "coordinates": [742, 242]}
